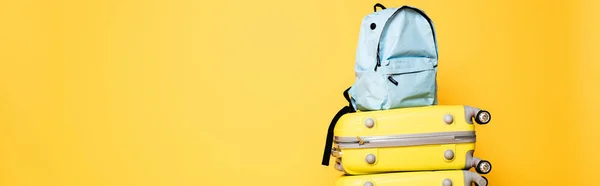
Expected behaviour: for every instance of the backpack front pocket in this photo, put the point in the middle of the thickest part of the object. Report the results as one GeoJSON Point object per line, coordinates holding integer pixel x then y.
{"type": "Point", "coordinates": [411, 82]}
{"type": "Point", "coordinates": [370, 92]}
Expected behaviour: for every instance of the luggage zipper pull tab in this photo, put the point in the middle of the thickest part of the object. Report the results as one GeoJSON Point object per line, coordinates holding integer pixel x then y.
{"type": "Point", "coordinates": [360, 141]}
{"type": "Point", "coordinates": [393, 80]}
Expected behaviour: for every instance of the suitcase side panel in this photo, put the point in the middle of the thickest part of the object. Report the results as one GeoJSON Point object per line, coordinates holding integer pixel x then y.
{"type": "Point", "coordinates": [456, 177]}
{"type": "Point", "coordinates": [413, 158]}
{"type": "Point", "coordinates": [415, 120]}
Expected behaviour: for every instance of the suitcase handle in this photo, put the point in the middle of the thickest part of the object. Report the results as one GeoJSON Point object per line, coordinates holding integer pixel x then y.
{"type": "Point", "coordinates": [329, 139]}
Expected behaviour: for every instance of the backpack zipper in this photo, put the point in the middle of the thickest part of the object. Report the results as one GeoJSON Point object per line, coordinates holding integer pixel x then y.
{"type": "Point", "coordinates": [378, 62]}
{"type": "Point", "coordinates": [391, 78]}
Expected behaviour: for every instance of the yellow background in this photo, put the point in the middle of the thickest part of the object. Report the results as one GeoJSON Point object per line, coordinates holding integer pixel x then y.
{"type": "Point", "coordinates": [151, 93]}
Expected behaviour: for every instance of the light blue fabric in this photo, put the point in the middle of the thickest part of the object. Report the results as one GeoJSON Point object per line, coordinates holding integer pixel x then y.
{"type": "Point", "coordinates": [407, 54]}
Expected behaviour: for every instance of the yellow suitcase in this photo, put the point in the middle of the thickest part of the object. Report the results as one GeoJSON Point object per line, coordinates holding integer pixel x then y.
{"type": "Point", "coordinates": [423, 178]}
{"type": "Point", "coordinates": [438, 137]}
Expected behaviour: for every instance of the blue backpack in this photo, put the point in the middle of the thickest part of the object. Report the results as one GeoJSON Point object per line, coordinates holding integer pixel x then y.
{"type": "Point", "coordinates": [396, 61]}
{"type": "Point", "coordinates": [396, 64]}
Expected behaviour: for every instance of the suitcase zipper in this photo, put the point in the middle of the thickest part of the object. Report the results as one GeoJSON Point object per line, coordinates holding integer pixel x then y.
{"type": "Point", "coordinates": [405, 140]}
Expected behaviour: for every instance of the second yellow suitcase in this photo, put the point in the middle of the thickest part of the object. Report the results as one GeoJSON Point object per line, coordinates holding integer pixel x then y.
{"type": "Point", "coordinates": [424, 178]}
{"type": "Point", "coordinates": [438, 137]}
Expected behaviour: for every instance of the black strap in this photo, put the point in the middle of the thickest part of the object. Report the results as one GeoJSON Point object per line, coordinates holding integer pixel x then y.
{"type": "Point", "coordinates": [378, 5]}
{"type": "Point", "coordinates": [329, 140]}
{"type": "Point", "coordinates": [347, 96]}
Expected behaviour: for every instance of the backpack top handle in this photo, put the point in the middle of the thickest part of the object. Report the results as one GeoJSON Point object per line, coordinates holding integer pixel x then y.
{"type": "Point", "coordinates": [378, 5]}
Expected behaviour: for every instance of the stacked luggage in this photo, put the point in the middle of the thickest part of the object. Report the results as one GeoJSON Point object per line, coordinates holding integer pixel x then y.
{"type": "Point", "coordinates": [393, 131]}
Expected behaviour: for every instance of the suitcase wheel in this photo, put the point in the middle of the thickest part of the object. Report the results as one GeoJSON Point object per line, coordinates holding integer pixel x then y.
{"type": "Point", "coordinates": [483, 117]}
{"type": "Point", "coordinates": [483, 167]}
{"type": "Point", "coordinates": [482, 182]}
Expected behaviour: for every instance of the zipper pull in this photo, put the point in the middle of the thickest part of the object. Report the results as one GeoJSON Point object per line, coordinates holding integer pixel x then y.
{"type": "Point", "coordinates": [360, 141]}
{"type": "Point", "coordinates": [378, 61]}
{"type": "Point", "coordinates": [393, 80]}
